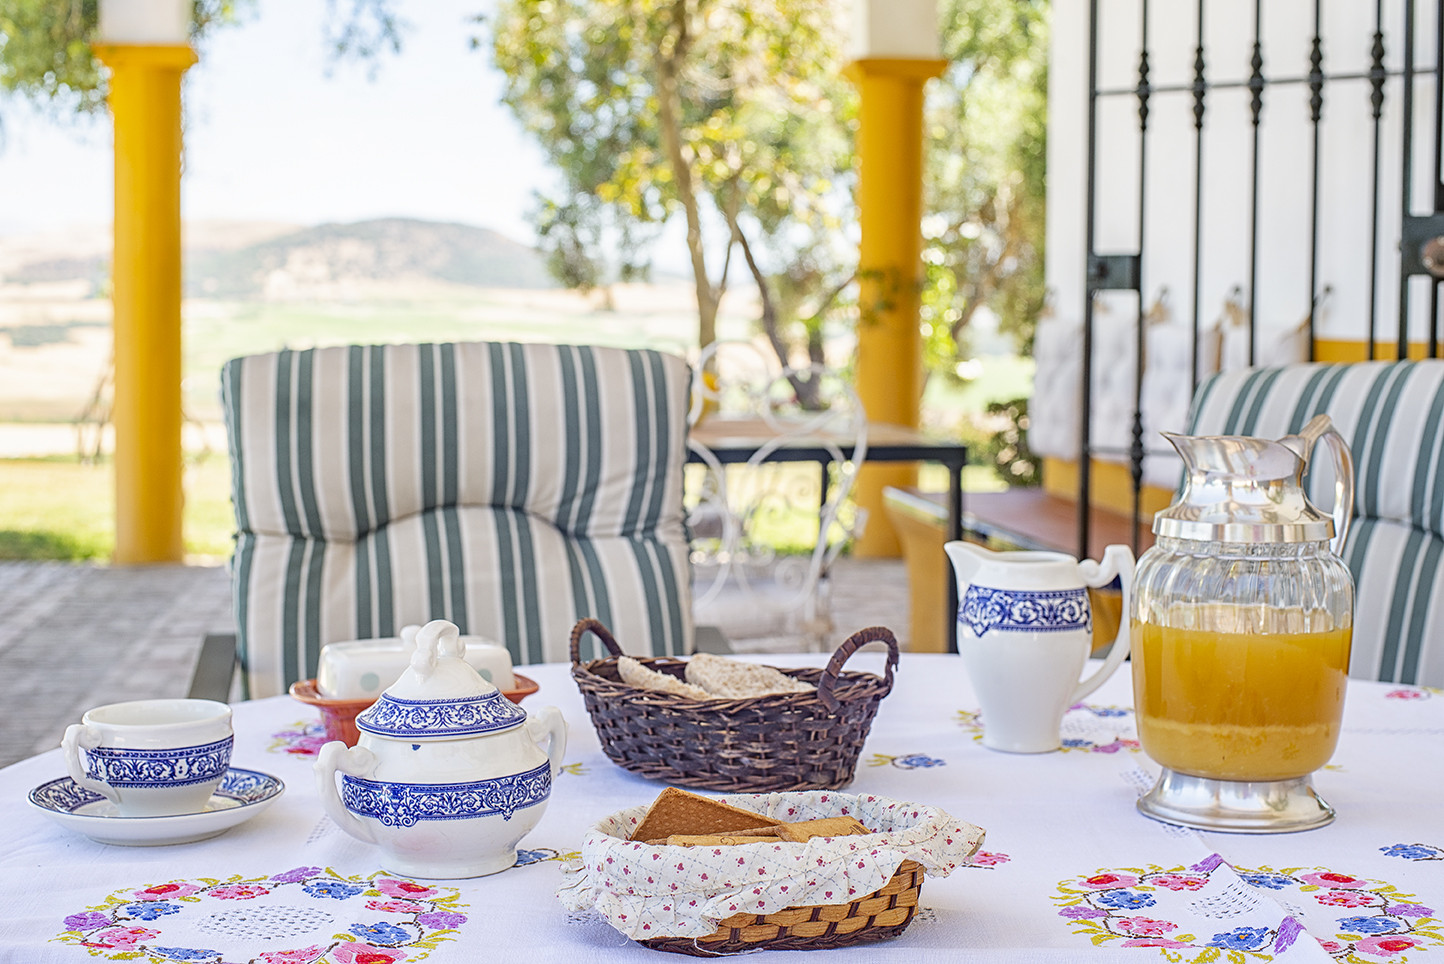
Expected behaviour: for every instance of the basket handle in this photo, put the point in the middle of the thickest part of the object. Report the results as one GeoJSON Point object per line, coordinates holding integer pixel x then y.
{"type": "Point", "coordinates": [595, 627]}
{"type": "Point", "coordinates": [849, 646]}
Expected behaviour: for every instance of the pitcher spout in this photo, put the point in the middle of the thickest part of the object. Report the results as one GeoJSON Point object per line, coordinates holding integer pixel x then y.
{"type": "Point", "coordinates": [1234, 456]}
{"type": "Point", "coordinates": [967, 559]}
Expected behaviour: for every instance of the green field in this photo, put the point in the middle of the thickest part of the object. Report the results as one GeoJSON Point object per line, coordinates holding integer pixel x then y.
{"type": "Point", "coordinates": [58, 508]}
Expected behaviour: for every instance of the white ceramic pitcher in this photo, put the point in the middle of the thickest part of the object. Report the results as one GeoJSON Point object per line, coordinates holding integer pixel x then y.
{"type": "Point", "coordinates": [1025, 629]}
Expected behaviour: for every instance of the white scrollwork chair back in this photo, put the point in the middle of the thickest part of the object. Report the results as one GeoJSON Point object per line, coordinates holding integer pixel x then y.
{"type": "Point", "coordinates": [759, 598]}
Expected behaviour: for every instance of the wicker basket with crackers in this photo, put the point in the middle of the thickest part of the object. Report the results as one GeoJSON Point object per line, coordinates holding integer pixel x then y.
{"type": "Point", "coordinates": [719, 724]}
{"type": "Point", "coordinates": [782, 871]}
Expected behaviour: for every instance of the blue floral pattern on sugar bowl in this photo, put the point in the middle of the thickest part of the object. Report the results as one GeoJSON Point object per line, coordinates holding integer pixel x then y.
{"type": "Point", "coordinates": [440, 719]}
{"type": "Point", "coordinates": [448, 775]}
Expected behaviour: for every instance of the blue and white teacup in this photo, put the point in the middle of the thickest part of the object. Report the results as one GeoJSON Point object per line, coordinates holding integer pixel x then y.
{"type": "Point", "coordinates": [151, 758]}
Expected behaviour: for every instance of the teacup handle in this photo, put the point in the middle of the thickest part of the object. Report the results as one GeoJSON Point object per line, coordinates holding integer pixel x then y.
{"type": "Point", "coordinates": [551, 726]}
{"type": "Point", "coordinates": [79, 736]}
{"type": "Point", "coordinates": [1117, 562]}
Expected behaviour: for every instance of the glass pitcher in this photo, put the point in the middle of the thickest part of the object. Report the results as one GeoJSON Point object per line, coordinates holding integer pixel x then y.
{"type": "Point", "coordinates": [1242, 616]}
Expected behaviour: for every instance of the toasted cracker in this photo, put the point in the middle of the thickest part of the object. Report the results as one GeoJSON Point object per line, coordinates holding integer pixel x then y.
{"type": "Point", "coordinates": [715, 840]}
{"type": "Point", "coordinates": [804, 830]}
{"type": "Point", "coordinates": [679, 812]}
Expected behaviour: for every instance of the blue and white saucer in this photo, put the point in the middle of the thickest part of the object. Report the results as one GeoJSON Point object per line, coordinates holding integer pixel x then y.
{"type": "Point", "coordinates": [242, 795]}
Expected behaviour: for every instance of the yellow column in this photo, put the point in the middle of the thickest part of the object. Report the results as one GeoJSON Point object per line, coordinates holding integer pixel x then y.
{"type": "Point", "coordinates": [145, 101]}
{"type": "Point", "coordinates": [890, 273]}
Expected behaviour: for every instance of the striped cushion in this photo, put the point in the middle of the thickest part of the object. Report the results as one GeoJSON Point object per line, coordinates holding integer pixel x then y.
{"type": "Point", "coordinates": [1391, 414]}
{"type": "Point", "coordinates": [511, 489]}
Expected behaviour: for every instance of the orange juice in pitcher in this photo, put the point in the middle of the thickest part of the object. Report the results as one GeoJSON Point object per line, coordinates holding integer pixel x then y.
{"type": "Point", "coordinates": [1241, 617]}
{"type": "Point", "coordinates": [1193, 721]}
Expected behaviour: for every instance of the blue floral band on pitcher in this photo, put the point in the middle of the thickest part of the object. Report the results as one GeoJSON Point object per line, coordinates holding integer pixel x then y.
{"type": "Point", "coordinates": [1025, 610]}
{"type": "Point", "coordinates": [402, 804]}
{"type": "Point", "coordinates": [171, 767]}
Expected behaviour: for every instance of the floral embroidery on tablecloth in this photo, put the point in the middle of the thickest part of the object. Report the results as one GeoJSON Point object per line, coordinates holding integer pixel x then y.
{"type": "Point", "coordinates": [302, 738]}
{"type": "Point", "coordinates": [1409, 693]}
{"type": "Point", "coordinates": [307, 915]}
{"type": "Point", "coordinates": [1087, 728]}
{"type": "Point", "coordinates": [1413, 851]}
{"type": "Point", "coordinates": [1213, 911]}
{"type": "Point", "coordinates": [575, 769]}
{"type": "Point", "coordinates": [540, 854]}
{"type": "Point", "coordinates": [910, 761]}
{"type": "Point", "coordinates": [987, 859]}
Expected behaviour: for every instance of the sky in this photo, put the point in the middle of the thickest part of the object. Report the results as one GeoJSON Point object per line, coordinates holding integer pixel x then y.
{"type": "Point", "coordinates": [277, 129]}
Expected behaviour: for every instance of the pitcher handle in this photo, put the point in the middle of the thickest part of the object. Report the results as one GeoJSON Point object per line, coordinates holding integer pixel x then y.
{"type": "Point", "coordinates": [1117, 561]}
{"type": "Point", "coordinates": [1343, 487]}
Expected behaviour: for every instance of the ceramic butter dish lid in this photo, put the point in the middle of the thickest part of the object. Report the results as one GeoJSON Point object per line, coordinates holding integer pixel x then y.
{"type": "Point", "coordinates": [440, 695]}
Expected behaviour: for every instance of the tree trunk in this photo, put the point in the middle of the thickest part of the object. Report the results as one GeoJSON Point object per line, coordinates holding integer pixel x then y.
{"type": "Point", "coordinates": [669, 118]}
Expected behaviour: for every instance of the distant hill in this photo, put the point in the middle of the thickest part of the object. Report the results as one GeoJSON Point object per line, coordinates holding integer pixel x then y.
{"type": "Point", "coordinates": [244, 262]}
{"type": "Point", "coordinates": [390, 250]}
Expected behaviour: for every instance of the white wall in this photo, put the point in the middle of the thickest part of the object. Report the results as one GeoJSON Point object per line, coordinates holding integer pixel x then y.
{"type": "Point", "coordinates": [1345, 169]}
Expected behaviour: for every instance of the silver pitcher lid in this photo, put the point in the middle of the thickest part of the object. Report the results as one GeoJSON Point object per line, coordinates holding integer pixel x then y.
{"type": "Point", "coordinates": [1239, 489]}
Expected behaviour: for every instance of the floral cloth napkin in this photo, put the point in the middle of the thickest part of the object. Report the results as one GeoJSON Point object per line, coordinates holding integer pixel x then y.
{"type": "Point", "coordinates": [646, 891]}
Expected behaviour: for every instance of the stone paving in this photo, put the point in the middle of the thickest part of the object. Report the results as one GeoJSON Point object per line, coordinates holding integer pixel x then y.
{"type": "Point", "coordinates": [76, 636]}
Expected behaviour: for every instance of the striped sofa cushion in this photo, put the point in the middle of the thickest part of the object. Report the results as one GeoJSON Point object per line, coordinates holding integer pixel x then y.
{"type": "Point", "coordinates": [1392, 414]}
{"type": "Point", "coordinates": [509, 488]}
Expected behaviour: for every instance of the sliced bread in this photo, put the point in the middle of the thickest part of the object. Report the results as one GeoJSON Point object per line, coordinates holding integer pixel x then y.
{"type": "Point", "coordinates": [634, 673]}
{"type": "Point", "coordinates": [733, 679]}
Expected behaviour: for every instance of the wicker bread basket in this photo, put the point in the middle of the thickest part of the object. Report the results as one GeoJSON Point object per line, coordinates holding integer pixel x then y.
{"type": "Point", "coordinates": [881, 915]}
{"type": "Point", "coordinates": [784, 741]}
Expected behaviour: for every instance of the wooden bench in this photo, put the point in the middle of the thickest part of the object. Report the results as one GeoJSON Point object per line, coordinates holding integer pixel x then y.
{"type": "Point", "coordinates": [1012, 519]}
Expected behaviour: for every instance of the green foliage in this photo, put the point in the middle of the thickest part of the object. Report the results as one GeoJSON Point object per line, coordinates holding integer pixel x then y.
{"type": "Point", "coordinates": [1005, 443]}
{"type": "Point", "coordinates": [45, 48]}
{"type": "Point", "coordinates": [45, 52]}
{"type": "Point", "coordinates": [730, 113]}
{"type": "Point", "coordinates": [986, 130]}
{"type": "Point", "coordinates": [763, 158]}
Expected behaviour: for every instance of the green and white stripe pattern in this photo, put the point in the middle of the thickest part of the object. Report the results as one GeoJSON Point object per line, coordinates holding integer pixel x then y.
{"type": "Point", "coordinates": [509, 488]}
{"type": "Point", "coordinates": [1392, 414]}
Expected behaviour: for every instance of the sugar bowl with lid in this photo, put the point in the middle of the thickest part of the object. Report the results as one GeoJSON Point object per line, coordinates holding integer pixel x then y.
{"type": "Point", "coordinates": [448, 774]}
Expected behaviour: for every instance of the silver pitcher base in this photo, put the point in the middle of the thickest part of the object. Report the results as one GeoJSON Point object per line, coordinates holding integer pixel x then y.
{"type": "Point", "coordinates": [1236, 806]}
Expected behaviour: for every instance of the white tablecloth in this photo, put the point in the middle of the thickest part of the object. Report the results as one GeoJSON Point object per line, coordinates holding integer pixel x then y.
{"type": "Point", "coordinates": [1069, 867]}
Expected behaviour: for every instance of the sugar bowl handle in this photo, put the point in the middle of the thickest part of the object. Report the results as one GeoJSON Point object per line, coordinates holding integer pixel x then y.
{"type": "Point", "coordinates": [549, 725]}
{"type": "Point", "coordinates": [357, 761]}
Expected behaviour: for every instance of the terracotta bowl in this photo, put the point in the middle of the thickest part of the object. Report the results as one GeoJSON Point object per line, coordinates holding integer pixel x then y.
{"type": "Point", "coordinates": [339, 716]}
